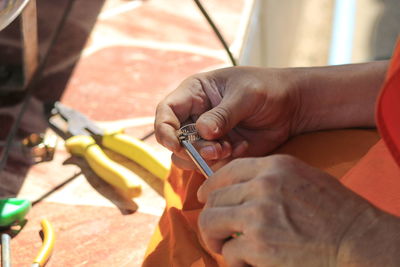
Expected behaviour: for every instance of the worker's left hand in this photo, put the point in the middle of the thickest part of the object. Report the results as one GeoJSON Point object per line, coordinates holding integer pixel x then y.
{"type": "Point", "coordinates": [288, 213]}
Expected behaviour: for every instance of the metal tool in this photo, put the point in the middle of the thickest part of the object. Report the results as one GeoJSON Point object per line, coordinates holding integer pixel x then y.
{"type": "Point", "coordinates": [186, 135]}
{"type": "Point", "coordinates": [5, 250]}
{"type": "Point", "coordinates": [84, 138]}
{"type": "Point", "coordinates": [12, 212]}
{"type": "Point", "coordinates": [41, 146]}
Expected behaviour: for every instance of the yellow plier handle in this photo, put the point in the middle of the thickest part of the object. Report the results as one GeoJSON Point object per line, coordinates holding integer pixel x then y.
{"type": "Point", "coordinates": [110, 171]}
{"type": "Point", "coordinates": [47, 245]}
{"type": "Point", "coordinates": [137, 151]}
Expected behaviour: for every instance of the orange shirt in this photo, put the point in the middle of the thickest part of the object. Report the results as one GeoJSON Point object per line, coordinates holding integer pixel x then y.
{"type": "Point", "coordinates": [376, 177]}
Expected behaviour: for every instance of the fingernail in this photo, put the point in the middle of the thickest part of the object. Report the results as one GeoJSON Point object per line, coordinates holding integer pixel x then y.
{"type": "Point", "coordinates": [216, 129]}
{"type": "Point", "coordinates": [213, 126]}
{"type": "Point", "coordinates": [208, 152]}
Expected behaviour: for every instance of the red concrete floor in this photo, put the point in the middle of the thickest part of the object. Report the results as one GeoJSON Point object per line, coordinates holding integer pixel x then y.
{"type": "Point", "coordinates": [114, 61]}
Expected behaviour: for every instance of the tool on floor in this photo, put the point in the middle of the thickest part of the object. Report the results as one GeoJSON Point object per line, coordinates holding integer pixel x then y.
{"type": "Point", "coordinates": [12, 211]}
{"type": "Point", "coordinates": [40, 146]}
{"type": "Point", "coordinates": [186, 135]}
{"type": "Point", "coordinates": [5, 250]}
{"type": "Point", "coordinates": [85, 140]}
{"type": "Point", "coordinates": [47, 245]}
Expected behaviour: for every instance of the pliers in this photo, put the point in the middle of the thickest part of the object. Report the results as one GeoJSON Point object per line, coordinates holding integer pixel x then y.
{"type": "Point", "coordinates": [84, 140]}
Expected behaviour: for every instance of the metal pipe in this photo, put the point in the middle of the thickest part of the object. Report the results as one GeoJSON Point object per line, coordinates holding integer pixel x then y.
{"type": "Point", "coordinates": [5, 250]}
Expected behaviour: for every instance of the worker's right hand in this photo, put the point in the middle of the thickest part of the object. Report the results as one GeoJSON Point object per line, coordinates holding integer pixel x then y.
{"type": "Point", "coordinates": [240, 111]}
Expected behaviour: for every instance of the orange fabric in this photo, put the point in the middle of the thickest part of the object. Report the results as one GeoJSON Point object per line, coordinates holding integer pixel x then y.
{"type": "Point", "coordinates": [388, 110]}
{"type": "Point", "coordinates": [377, 176]}
{"type": "Point", "coordinates": [176, 241]}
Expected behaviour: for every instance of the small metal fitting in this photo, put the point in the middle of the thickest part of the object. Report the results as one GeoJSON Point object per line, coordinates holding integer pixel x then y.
{"type": "Point", "coordinates": [189, 133]}
{"type": "Point", "coordinates": [41, 146]}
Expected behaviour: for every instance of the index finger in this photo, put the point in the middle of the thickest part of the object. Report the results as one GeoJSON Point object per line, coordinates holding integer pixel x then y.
{"type": "Point", "coordinates": [237, 171]}
{"type": "Point", "coordinates": [187, 100]}
{"type": "Point", "coordinates": [165, 127]}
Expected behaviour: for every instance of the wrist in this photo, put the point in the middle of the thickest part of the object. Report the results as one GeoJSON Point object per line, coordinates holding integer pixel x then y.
{"type": "Point", "coordinates": [337, 97]}
{"type": "Point", "coordinates": [372, 240]}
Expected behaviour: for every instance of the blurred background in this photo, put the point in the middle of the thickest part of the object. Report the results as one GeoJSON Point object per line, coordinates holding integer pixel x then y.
{"type": "Point", "coordinates": [321, 32]}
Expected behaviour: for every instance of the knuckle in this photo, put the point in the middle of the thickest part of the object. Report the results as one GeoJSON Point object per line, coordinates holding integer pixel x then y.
{"type": "Point", "coordinates": [229, 255]}
{"type": "Point", "coordinates": [266, 184]}
{"type": "Point", "coordinates": [222, 115]}
{"type": "Point", "coordinates": [159, 134]}
{"type": "Point", "coordinates": [256, 230]}
{"type": "Point", "coordinates": [282, 160]}
{"type": "Point", "coordinates": [203, 221]}
{"type": "Point", "coordinates": [234, 163]}
{"type": "Point", "coordinates": [258, 212]}
{"type": "Point", "coordinates": [158, 109]}
{"type": "Point", "coordinates": [196, 84]}
{"type": "Point", "coordinates": [192, 80]}
{"type": "Point", "coordinates": [212, 198]}
{"type": "Point", "coordinates": [243, 162]}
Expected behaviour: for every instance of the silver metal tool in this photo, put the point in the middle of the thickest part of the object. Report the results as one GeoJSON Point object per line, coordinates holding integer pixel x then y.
{"type": "Point", "coordinates": [188, 134]}
{"type": "Point", "coordinates": [5, 250]}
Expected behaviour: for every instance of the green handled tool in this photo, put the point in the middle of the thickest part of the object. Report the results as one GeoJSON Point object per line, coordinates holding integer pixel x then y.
{"type": "Point", "coordinates": [12, 211]}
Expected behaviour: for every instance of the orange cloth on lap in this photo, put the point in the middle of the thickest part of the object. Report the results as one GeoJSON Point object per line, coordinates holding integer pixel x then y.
{"type": "Point", "coordinates": [176, 241]}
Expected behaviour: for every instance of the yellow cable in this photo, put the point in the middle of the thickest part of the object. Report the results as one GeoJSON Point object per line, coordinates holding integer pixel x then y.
{"type": "Point", "coordinates": [48, 243]}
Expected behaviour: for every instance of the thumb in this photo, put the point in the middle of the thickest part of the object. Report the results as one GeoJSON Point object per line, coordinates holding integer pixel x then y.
{"type": "Point", "coordinates": [218, 121]}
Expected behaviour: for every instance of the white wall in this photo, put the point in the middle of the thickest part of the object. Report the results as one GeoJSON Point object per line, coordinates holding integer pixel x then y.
{"type": "Point", "coordinates": [287, 33]}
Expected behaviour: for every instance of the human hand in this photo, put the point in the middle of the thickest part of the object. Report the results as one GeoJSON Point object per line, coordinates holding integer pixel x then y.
{"type": "Point", "coordinates": [289, 214]}
{"type": "Point", "coordinates": [241, 111]}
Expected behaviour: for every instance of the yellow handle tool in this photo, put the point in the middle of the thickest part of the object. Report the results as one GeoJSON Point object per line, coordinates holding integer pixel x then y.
{"type": "Point", "coordinates": [110, 171]}
{"type": "Point", "coordinates": [85, 134]}
{"type": "Point", "coordinates": [137, 151]}
{"type": "Point", "coordinates": [47, 246]}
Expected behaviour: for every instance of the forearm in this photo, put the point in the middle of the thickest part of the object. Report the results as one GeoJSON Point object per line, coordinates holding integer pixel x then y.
{"type": "Point", "coordinates": [337, 97]}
